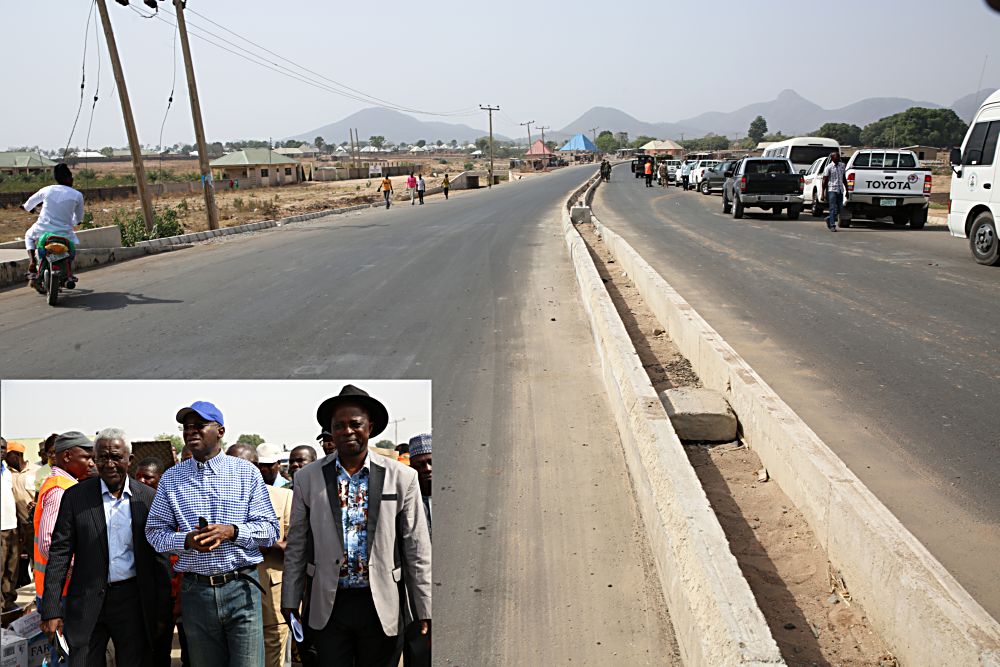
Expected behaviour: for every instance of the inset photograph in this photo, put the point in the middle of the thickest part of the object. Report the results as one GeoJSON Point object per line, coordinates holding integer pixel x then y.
{"type": "Point", "coordinates": [217, 522]}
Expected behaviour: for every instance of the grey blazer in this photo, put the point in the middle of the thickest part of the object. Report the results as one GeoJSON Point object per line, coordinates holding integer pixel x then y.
{"type": "Point", "coordinates": [399, 544]}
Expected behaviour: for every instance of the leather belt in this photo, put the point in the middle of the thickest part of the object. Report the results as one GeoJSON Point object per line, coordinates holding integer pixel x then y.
{"type": "Point", "coordinates": [216, 580]}
{"type": "Point", "coordinates": [123, 582]}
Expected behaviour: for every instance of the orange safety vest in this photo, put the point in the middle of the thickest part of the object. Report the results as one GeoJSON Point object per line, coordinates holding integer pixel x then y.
{"type": "Point", "coordinates": [40, 561]}
{"type": "Point", "coordinates": [649, 168]}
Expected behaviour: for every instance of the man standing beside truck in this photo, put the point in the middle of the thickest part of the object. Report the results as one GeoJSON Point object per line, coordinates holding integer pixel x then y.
{"type": "Point", "coordinates": [834, 182]}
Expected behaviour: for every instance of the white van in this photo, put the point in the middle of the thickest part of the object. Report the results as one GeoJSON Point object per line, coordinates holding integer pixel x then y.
{"type": "Point", "coordinates": [802, 151]}
{"type": "Point", "coordinates": [975, 205]}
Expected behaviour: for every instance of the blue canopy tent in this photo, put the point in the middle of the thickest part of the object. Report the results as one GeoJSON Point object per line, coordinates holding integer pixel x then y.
{"type": "Point", "coordinates": [580, 143]}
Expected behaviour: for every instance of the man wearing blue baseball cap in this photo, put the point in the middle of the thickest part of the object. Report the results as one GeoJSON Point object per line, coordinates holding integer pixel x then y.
{"type": "Point", "coordinates": [214, 512]}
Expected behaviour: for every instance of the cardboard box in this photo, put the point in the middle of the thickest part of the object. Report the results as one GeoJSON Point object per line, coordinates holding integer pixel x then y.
{"type": "Point", "coordinates": [39, 650]}
{"type": "Point", "coordinates": [13, 650]}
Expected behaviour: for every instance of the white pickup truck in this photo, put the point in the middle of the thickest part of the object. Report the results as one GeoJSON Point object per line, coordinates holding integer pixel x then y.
{"type": "Point", "coordinates": [887, 183]}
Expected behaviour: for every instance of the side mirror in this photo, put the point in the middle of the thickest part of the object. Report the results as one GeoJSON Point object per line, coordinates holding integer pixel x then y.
{"type": "Point", "coordinates": [955, 157]}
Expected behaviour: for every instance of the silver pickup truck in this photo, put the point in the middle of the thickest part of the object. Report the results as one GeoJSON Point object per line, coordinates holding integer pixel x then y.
{"type": "Point", "coordinates": [887, 183]}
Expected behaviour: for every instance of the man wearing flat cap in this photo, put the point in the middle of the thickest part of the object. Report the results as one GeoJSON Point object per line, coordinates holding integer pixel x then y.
{"type": "Point", "coordinates": [73, 461]}
{"type": "Point", "coordinates": [358, 540]}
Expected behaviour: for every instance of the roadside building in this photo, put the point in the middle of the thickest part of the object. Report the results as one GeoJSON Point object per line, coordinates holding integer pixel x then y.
{"type": "Point", "coordinates": [925, 153]}
{"type": "Point", "coordinates": [257, 167]}
{"type": "Point", "coordinates": [579, 148]}
{"type": "Point", "coordinates": [662, 147]}
{"type": "Point", "coordinates": [24, 162]}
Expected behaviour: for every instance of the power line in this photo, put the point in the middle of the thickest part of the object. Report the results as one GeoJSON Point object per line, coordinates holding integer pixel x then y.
{"type": "Point", "coordinates": [97, 90]}
{"type": "Point", "coordinates": [83, 79]}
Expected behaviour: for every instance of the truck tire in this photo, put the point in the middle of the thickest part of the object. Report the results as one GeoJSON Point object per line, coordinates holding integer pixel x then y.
{"type": "Point", "coordinates": [793, 212]}
{"type": "Point", "coordinates": [900, 219]}
{"type": "Point", "coordinates": [983, 240]}
{"type": "Point", "coordinates": [918, 218]}
{"type": "Point", "coordinates": [817, 206]}
{"type": "Point", "coordinates": [727, 208]}
{"type": "Point", "coordinates": [775, 211]}
{"type": "Point", "coordinates": [705, 188]}
{"type": "Point", "coordinates": [737, 208]}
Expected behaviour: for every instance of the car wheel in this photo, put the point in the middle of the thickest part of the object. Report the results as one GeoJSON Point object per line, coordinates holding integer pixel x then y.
{"type": "Point", "coordinates": [727, 208]}
{"type": "Point", "coordinates": [737, 209]}
{"type": "Point", "coordinates": [817, 206]}
{"type": "Point", "coordinates": [705, 188]}
{"type": "Point", "coordinates": [983, 240]}
{"type": "Point", "coordinates": [793, 212]}
{"type": "Point", "coordinates": [918, 218]}
{"type": "Point", "coordinates": [776, 211]}
{"type": "Point", "coordinates": [900, 219]}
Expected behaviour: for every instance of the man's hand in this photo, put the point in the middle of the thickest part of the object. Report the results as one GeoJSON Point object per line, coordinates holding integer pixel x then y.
{"type": "Point", "coordinates": [287, 613]}
{"type": "Point", "coordinates": [277, 549]}
{"type": "Point", "coordinates": [208, 538]}
{"type": "Point", "coordinates": [50, 627]}
{"type": "Point", "coordinates": [425, 627]}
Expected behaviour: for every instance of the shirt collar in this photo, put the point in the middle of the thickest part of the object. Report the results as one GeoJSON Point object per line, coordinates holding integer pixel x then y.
{"type": "Point", "coordinates": [367, 465]}
{"type": "Point", "coordinates": [214, 464]}
{"type": "Point", "coordinates": [125, 490]}
{"type": "Point", "coordinates": [56, 470]}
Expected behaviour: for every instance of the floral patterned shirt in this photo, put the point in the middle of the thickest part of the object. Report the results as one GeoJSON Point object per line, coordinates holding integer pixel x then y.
{"type": "Point", "coordinates": [353, 491]}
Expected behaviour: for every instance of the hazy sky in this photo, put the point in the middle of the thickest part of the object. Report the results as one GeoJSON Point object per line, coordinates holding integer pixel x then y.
{"type": "Point", "coordinates": [282, 411]}
{"type": "Point", "coordinates": [542, 61]}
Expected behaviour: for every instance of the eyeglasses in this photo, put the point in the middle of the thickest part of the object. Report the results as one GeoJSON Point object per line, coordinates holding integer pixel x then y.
{"type": "Point", "coordinates": [194, 426]}
{"type": "Point", "coordinates": [101, 459]}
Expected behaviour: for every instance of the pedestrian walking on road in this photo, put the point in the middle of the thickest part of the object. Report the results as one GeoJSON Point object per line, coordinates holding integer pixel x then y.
{"type": "Point", "coordinates": [834, 182]}
{"type": "Point", "coordinates": [421, 188]}
{"type": "Point", "coordinates": [386, 189]}
{"type": "Point", "coordinates": [411, 186]}
{"type": "Point", "coordinates": [445, 185]}
{"type": "Point", "coordinates": [214, 512]}
{"type": "Point", "coordinates": [648, 171]}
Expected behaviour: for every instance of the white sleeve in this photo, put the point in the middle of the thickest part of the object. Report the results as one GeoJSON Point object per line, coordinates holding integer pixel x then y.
{"type": "Point", "coordinates": [79, 210]}
{"type": "Point", "coordinates": [35, 199]}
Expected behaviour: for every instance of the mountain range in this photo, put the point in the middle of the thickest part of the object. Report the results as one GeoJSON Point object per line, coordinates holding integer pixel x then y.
{"type": "Point", "coordinates": [789, 113]}
{"type": "Point", "coordinates": [394, 126]}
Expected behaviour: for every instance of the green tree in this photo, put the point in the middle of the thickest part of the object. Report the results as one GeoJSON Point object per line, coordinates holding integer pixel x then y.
{"type": "Point", "coordinates": [385, 444]}
{"type": "Point", "coordinates": [916, 125]}
{"type": "Point", "coordinates": [439, 143]}
{"type": "Point", "coordinates": [107, 151]}
{"type": "Point", "coordinates": [319, 143]}
{"type": "Point", "coordinates": [422, 143]}
{"type": "Point", "coordinates": [175, 440]}
{"type": "Point", "coordinates": [642, 141]}
{"type": "Point", "coordinates": [776, 136]}
{"type": "Point", "coordinates": [251, 439]}
{"type": "Point", "coordinates": [758, 128]}
{"type": "Point", "coordinates": [606, 142]}
{"type": "Point", "coordinates": [292, 143]}
{"type": "Point", "coordinates": [377, 141]}
{"type": "Point", "coordinates": [454, 143]}
{"type": "Point", "coordinates": [482, 143]}
{"type": "Point", "coordinates": [846, 134]}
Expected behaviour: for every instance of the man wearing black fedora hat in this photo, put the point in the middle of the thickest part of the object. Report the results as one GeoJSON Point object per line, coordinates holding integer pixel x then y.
{"type": "Point", "coordinates": [358, 546]}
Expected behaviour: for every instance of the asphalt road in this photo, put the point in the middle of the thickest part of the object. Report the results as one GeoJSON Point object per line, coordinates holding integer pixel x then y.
{"type": "Point", "coordinates": [885, 341]}
{"type": "Point", "coordinates": [539, 555]}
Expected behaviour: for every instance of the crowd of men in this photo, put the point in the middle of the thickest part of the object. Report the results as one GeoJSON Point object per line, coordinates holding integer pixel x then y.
{"type": "Point", "coordinates": [226, 548]}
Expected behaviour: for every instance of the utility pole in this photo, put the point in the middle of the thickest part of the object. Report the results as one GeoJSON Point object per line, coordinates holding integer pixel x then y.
{"type": "Point", "coordinates": [490, 110]}
{"type": "Point", "coordinates": [593, 131]}
{"type": "Point", "coordinates": [529, 124]}
{"type": "Point", "coordinates": [199, 129]}
{"type": "Point", "coordinates": [545, 160]}
{"type": "Point", "coordinates": [395, 423]}
{"type": "Point", "coordinates": [133, 138]}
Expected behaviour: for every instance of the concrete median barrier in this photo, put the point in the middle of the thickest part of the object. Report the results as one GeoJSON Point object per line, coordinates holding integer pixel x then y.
{"type": "Point", "coordinates": [714, 613]}
{"type": "Point", "coordinates": [918, 607]}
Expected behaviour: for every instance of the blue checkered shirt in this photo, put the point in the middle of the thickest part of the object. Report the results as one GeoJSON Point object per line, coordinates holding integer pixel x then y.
{"type": "Point", "coordinates": [224, 490]}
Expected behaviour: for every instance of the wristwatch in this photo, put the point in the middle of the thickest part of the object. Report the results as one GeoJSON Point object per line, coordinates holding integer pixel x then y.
{"type": "Point", "coordinates": [236, 532]}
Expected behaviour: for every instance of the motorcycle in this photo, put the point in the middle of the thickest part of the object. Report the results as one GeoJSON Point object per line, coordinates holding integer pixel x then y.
{"type": "Point", "coordinates": [55, 272]}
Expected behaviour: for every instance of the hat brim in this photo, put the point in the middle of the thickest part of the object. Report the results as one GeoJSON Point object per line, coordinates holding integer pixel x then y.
{"type": "Point", "coordinates": [184, 412]}
{"type": "Point", "coordinates": [379, 415]}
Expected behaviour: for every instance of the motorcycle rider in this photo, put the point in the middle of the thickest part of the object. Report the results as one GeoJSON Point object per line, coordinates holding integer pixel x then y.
{"type": "Point", "coordinates": [62, 210]}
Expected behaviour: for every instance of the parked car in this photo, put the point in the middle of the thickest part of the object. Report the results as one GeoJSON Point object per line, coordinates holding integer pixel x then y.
{"type": "Point", "coordinates": [715, 177]}
{"type": "Point", "coordinates": [672, 166]}
{"type": "Point", "coordinates": [883, 182]}
{"type": "Point", "coordinates": [975, 205]}
{"type": "Point", "coordinates": [698, 170]}
{"type": "Point", "coordinates": [639, 165]}
{"type": "Point", "coordinates": [766, 183]}
{"type": "Point", "coordinates": [813, 193]}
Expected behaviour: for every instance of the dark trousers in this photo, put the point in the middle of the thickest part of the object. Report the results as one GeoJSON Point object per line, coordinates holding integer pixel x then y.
{"type": "Point", "coordinates": [10, 559]}
{"type": "Point", "coordinates": [386, 193]}
{"type": "Point", "coordinates": [120, 620]}
{"type": "Point", "coordinates": [445, 190]}
{"type": "Point", "coordinates": [649, 180]}
{"type": "Point", "coordinates": [354, 635]}
{"type": "Point", "coordinates": [420, 194]}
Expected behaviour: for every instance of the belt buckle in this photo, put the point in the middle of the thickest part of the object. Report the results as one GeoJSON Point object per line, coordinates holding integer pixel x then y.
{"type": "Point", "coordinates": [212, 580]}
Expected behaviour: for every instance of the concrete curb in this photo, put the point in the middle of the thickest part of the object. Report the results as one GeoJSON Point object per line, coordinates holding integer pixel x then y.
{"type": "Point", "coordinates": [13, 273]}
{"type": "Point", "coordinates": [918, 607]}
{"type": "Point", "coordinates": [714, 613]}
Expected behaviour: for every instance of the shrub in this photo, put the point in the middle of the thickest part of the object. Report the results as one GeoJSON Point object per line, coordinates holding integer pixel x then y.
{"type": "Point", "coordinates": [88, 221]}
{"type": "Point", "coordinates": [133, 227]}
{"type": "Point", "coordinates": [238, 203]}
{"type": "Point", "coordinates": [442, 161]}
{"type": "Point", "coordinates": [468, 166]}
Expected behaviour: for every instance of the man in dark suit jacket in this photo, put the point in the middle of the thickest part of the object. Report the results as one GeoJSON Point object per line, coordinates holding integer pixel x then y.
{"type": "Point", "coordinates": [119, 586]}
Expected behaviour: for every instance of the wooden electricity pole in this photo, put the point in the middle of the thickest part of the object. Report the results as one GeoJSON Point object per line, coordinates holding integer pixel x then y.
{"type": "Point", "coordinates": [490, 110]}
{"type": "Point", "coordinates": [593, 131]}
{"type": "Point", "coordinates": [199, 129]}
{"type": "Point", "coordinates": [133, 138]}
{"type": "Point", "coordinates": [528, 154]}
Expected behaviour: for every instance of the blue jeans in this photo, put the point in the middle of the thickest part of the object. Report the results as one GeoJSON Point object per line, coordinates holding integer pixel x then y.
{"type": "Point", "coordinates": [223, 624]}
{"type": "Point", "coordinates": [836, 201]}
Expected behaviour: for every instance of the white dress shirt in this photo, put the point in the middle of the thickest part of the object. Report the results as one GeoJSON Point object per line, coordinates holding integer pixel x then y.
{"type": "Point", "coordinates": [8, 512]}
{"type": "Point", "coordinates": [118, 517]}
{"type": "Point", "coordinates": [62, 209]}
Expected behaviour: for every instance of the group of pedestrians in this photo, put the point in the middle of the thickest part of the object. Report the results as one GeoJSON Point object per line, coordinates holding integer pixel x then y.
{"type": "Point", "coordinates": [337, 555]}
{"type": "Point", "coordinates": [416, 188]}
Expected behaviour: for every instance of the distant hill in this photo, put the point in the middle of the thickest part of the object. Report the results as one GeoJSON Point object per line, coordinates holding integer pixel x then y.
{"type": "Point", "coordinates": [789, 112]}
{"type": "Point", "coordinates": [395, 127]}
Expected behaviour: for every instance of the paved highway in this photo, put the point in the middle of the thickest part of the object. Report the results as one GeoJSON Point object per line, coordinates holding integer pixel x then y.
{"type": "Point", "coordinates": [886, 341]}
{"type": "Point", "coordinates": [539, 553]}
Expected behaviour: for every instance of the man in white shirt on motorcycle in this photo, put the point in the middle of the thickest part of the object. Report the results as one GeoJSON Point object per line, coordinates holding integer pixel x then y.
{"type": "Point", "coordinates": [62, 210]}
